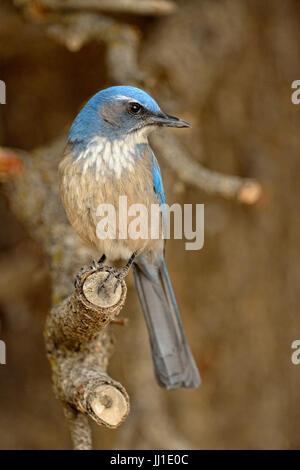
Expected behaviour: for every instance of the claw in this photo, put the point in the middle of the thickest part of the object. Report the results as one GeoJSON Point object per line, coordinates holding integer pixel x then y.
{"type": "Point", "coordinates": [108, 277]}
{"type": "Point", "coordinates": [94, 264]}
{"type": "Point", "coordinates": [102, 259]}
{"type": "Point", "coordinates": [118, 282]}
{"type": "Point", "coordinates": [121, 274]}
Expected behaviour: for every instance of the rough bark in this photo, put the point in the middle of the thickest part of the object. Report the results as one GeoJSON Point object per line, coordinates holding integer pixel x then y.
{"type": "Point", "coordinates": [78, 351]}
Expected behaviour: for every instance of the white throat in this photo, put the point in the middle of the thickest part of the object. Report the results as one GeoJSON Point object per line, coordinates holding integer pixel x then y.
{"type": "Point", "coordinates": [108, 157]}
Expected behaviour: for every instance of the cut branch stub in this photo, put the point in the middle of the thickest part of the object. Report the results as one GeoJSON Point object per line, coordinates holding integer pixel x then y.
{"type": "Point", "coordinates": [78, 347]}
{"type": "Point", "coordinates": [108, 297]}
{"type": "Point", "coordinates": [89, 389]}
{"type": "Point", "coordinates": [107, 403]}
{"type": "Point", "coordinates": [79, 318]}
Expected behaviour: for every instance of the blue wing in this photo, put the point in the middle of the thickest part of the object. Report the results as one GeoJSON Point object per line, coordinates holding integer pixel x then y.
{"type": "Point", "coordinates": [157, 181]}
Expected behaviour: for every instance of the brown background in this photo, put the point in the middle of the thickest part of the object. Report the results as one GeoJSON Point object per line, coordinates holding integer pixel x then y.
{"type": "Point", "coordinates": [226, 66]}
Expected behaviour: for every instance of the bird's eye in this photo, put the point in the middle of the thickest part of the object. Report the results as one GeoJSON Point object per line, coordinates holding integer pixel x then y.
{"type": "Point", "coordinates": [135, 108]}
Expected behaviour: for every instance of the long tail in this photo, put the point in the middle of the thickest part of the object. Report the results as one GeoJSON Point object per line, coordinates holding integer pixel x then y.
{"type": "Point", "coordinates": [173, 362]}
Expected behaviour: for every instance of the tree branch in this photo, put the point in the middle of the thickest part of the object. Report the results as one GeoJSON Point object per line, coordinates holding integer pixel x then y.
{"type": "Point", "coordinates": [78, 351]}
{"type": "Point", "coordinates": [80, 430]}
{"type": "Point", "coordinates": [140, 7]}
{"type": "Point", "coordinates": [245, 190]}
{"type": "Point", "coordinates": [74, 23]}
{"type": "Point", "coordinates": [78, 341]}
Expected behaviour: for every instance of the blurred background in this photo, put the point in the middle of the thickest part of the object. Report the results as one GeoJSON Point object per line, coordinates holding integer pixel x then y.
{"type": "Point", "coordinates": [226, 67]}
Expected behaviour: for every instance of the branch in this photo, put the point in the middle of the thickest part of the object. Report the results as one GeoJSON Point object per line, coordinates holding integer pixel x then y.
{"type": "Point", "coordinates": [80, 430]}
{"type": "Point", "coordinates": [74, 30]}
{"type": "Point", "coordinates": [78, 350]}
{"type": "Point", "coordinates": [136, 7]}
{"type": "Point", "coordinates": [77, 339]}
{"type": "Point", "coordinates": [10, 165]}
{"type": "Point", "coordinates": [245, 190]}
{"type": "Point", "coordinates": [75, 23]}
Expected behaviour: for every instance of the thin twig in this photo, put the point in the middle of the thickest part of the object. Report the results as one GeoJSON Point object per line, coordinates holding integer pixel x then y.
{"type": "Point", "coordinates": [245, 190]}
{"type": "Point", "coordinates": [140, 7]}
{"type": "Point", "coordinates": [80, 430]}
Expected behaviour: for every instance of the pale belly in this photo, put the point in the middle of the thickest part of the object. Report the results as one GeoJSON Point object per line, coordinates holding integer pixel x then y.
{"type": "Point", "coordinates": [86, 204]}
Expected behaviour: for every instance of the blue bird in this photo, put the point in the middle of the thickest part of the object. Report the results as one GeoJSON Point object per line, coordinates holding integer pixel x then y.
{"type": "Point", "coordinates": [107, 156]}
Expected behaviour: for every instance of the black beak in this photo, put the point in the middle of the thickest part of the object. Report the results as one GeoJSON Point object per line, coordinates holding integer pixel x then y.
{"type": "Point", "coordinates": [169, 121]}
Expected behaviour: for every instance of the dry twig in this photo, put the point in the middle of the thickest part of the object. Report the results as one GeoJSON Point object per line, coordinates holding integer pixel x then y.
{"type": "Point", "coordinates": [74, 23]}
{"type": "Point", "coordinates": [245, 190]}
{"type": "Point", "coordinates": [140, 7]}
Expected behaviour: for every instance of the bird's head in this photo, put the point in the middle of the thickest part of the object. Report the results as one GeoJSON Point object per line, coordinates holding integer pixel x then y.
{"type": "Point", "coordinates": [118, 112]}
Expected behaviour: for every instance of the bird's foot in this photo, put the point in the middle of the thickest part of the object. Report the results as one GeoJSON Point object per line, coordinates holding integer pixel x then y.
{"type": "Point", "coordinates": [124, 271]}
{"type": "Point", "coordinates": [108, 277]}
{"type": "Point", "coordinates": [94, 266]}
{"type": "Point", "coordinates": [78, 276]}
{"type": "Point", "coordinates": [119, 274]}
{"type": "Point", "coordinates": [97, 264]}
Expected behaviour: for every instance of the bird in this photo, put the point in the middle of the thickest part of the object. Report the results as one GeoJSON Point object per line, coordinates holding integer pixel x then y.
{"type": "Point", "coordinates": [107, 154]}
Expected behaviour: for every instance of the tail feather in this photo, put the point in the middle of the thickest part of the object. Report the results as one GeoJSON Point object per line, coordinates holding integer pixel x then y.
{"type": "Point", "coordinates": [173, 362]}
